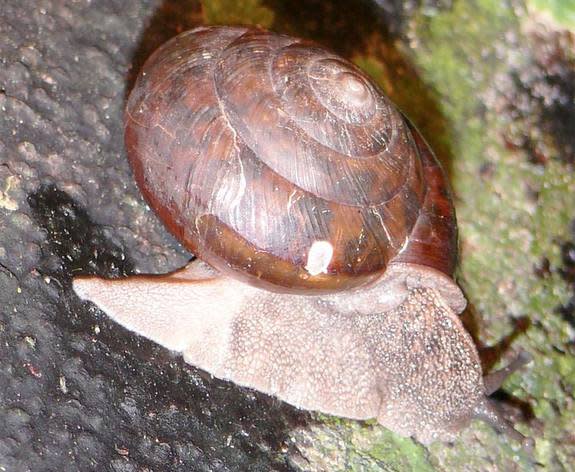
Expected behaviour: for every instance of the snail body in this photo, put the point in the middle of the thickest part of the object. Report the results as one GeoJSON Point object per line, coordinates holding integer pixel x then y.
{"type": "Point", "coordinates": [324, 229]}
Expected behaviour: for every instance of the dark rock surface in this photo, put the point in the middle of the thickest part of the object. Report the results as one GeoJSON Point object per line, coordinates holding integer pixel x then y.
{"type": "Point", "coordinates": [76, 391]}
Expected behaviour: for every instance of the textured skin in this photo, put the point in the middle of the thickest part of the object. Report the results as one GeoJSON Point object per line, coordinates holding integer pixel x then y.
{"type": "Point", "coordinates": [253, 146]}
{"type": "Point", "coordinates": [406, 361]}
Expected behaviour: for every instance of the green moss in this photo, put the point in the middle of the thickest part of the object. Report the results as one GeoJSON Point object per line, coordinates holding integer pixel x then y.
{"type": "Point", "coordinates": [346, 446]}
{"type": "Point", "coordinates": [562, 11]}
{"type": "Point", "coordinates": [237, 12]}
{"type": "Point", "coordinates": [399, 453]}
{"type": "Point", "coordinates": [505, 232]}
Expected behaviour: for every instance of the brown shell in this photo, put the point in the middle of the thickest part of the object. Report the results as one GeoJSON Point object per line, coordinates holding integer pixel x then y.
{"type": "Point", "coordinates": [253, 147]}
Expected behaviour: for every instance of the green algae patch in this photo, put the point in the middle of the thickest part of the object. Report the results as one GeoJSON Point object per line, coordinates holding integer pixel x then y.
{"type": "Point", "coordinates": [237, 12]}
{"type": "Point", "coordinates": [348, 446]}
{"type": "Point", "coordinates": [561, 11]}
{"type": "Point", "coordinates": [512, 214]}
{"type": "Point", "coordinates": [399, 453]}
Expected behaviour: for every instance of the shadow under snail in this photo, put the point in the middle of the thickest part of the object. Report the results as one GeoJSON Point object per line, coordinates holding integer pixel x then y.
{"type": "Point", "coordinates": [326, 230]}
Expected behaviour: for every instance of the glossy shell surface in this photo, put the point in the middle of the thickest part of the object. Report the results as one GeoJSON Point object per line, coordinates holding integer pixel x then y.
{"type": "Point", "coordinates": [283, 164]}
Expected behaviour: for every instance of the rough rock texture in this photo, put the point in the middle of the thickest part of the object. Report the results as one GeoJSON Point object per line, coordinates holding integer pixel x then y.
{"type": "Point", "coordinates": [490, 85]}
{"type": "Point", "coordinates": [77, 392]}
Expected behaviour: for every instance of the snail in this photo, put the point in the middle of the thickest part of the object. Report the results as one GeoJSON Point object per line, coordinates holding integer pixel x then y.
{"type": "Point", "coordinates": [324, 229]}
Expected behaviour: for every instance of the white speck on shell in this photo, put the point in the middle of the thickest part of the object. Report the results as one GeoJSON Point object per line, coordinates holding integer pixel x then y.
{"type": "Point", "coordinates": [319, 257]}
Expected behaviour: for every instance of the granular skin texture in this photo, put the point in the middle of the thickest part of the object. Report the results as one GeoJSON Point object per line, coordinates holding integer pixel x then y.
{"type": "Point", "coordinates": [431, 367]}
{"type": "Point", "coordinates": [78, 392]}
{"type": "Point", "coordinates": [414, 367]}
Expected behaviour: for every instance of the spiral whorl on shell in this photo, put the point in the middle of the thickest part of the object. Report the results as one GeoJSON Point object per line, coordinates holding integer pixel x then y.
{"type": "Point", "coordinates": [282, 163]}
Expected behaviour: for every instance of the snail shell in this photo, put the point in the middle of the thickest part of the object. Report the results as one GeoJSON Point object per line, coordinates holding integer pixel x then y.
{"type": "Point", "coordinates": [283, 164]}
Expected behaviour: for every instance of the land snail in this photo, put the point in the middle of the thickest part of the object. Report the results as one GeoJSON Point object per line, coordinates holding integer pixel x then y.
{"type": "Point", "coordinates": [324, 230]}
